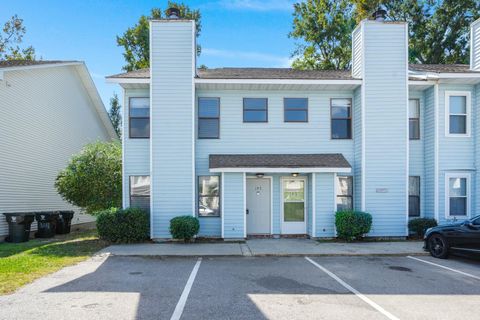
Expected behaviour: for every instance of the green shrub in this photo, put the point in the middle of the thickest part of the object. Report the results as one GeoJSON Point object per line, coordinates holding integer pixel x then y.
{"type": "Point", "coordinates": [418, 226]}
{"type": "Point", "coordinates": [352, 225]}
{"type": "Point", "coordinates": [184, 227]}
{"type": "Point", "coordinates": [123, 225]}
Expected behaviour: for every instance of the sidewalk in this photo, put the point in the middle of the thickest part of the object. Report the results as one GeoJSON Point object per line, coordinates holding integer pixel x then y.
{"type": "Point", "coordinates": [268, 247]}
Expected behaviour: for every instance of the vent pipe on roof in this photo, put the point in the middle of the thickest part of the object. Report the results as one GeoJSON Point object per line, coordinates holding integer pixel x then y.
{"type": "Point", "coordinates": [173, 13]}
{"type": "Point", "coordinates": [379, 15]}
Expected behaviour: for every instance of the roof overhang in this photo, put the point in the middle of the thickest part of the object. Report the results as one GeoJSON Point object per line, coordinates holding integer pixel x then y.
{"type": "Point", "coordinates": [282, 170]}
{"type": "Point", "coordinates": [128, 80]}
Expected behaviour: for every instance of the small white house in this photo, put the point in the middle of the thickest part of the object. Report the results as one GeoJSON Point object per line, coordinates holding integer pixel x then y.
{"type": "Point", "coordinates": [49, 111]}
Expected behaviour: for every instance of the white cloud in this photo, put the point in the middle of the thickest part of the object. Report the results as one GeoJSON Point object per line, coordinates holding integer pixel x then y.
{"type": "Point", "coordinates": [258, 5]}
{"type": "Point", "coordinates": [269, 60]}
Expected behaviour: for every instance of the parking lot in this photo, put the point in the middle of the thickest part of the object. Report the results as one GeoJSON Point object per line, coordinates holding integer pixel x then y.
{"type": "Point", "coordinates": [253, 288]}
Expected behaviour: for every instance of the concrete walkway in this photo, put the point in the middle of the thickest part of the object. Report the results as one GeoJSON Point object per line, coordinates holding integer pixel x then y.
{"type": "Point", "coordinates": [269, 247]}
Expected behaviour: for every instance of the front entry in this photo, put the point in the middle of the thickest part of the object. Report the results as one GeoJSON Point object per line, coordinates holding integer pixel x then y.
{"type": "Point", "coordinates": [294, 205]}
{"type": "Point", "coordinates": [258, 206]}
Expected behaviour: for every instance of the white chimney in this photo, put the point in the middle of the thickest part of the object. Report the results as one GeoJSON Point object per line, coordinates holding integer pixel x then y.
{"type": "Point", "coordinates": [475, 45]}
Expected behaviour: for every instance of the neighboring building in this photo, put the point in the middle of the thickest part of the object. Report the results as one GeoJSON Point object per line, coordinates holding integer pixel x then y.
{"type": "Point", "coordinates": [49, 111]}
{"type": "Point", "coordinates": [278, 151]}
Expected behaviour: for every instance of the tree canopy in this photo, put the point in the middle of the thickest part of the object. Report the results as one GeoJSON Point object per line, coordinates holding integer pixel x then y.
{"type": "Point", "coordinates": [11, 37]}
{"type": "Point", "coordinates": [135, 41]}
{"type": "Point", "coordinates": [115, 115]}
{"type": "Point", "coordinates": [438, 29]}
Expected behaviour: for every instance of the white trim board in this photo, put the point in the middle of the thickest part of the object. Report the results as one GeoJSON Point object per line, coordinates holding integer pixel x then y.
{"type": "Point", "coordinates": [282, 170]}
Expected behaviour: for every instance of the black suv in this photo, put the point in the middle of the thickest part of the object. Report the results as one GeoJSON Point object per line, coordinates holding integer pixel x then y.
{"type": "Point", "coordinates": [461, 237]}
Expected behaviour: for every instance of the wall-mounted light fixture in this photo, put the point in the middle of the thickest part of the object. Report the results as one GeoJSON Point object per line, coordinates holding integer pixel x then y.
{"type": "Point", "coordinates": [259, 175]}
{"type": "Point", "coordinates": [295, 174]}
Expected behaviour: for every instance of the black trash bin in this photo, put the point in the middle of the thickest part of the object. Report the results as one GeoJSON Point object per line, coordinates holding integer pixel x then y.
{"type": "Point", "coordinates": [64, 221]}
{"type": "Point", "coordinates": [19, 224]}
{"type": "Point", "coordinates": [46, 221]}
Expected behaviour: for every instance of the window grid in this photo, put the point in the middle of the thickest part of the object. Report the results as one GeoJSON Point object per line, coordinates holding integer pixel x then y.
{"type": "Point", "coordinates": [347, 120]}
{"type": "Point", "coordinates": [464, 197]}
{"type": "Point", "coordinates": [286, 109]}
{"type": "Point", "coordinates": [414, 197]}
{"type": "Point", "coordinates": [248, 109]}
{"type": "Point", "coordinates": [452, 115]}
{"type": "Point", "coordinates": [132, 117]}
{"type": "Point", "coordinates": [414, 122]}
{"type": "Point", "coordinates": [200, 118]}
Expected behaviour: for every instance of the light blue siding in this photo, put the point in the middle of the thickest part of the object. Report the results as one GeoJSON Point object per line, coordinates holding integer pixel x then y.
{"type": "Point", "coordinates": [233, 205]}
{"type": "Point", "coordinates": [172, 93]}
{"type": "Point", "coordinates": [476, 132]}
{"type": "Point", "coordinates": [325, 205]}
{"type": "Point", "coordinates": [386, 134]}
{"type": "Point", "coordinates": [357, 135]}
{"type": "Point", "coordinates": [416, 151]}
{"type": "Point", "coordinates": [136, 152]}
{"type": "Point", "coordinates": [429, 153]}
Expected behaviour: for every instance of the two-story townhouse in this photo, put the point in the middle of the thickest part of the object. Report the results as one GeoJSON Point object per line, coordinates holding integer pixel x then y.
{"type": "Point", "coordinates": [269, 151]}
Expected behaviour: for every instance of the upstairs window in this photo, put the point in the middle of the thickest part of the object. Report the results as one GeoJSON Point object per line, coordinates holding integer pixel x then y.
{"type": "Point", "coordinates": [341, 118]}
{"type": "Point", "coordinates": [255, 110]}
{"type": "Point", "coordinates": [414, 196]}
{"type": "Point", "coordinates": [414, 119]}
{"type": "Point", "coordinates": [208, 196]}
{"type": "Point", "coordinates": [140, 192]}
{"type": "Point", "coordinates": [295, 109]}
{"type": "Point", "coordinates": [457, 109]}
{"type": "Point", "coordinates": [344, 193]}
{"type": "Point", "coordinates": [139, 118]}
{"type": "Point", "coordinates": [208, 118]}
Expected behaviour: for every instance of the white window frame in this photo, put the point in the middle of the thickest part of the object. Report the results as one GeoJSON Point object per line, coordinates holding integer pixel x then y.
{"type": "Point", "coordinates": [448, 176]}
{"type": "Point", "coordinates": [468, 100]}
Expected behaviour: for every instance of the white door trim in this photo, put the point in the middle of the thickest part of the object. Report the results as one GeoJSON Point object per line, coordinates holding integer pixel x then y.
{"type": "Point", "coordinates": [305, 207]}
{"type": "Point", "coordinates": [271, 201]}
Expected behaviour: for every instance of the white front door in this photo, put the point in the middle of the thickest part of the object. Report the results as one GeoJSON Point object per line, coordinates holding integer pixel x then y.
{"type": "Point", "coordinates": [294, 205]}
{"type": "Point", "coordinates": [258, 206]}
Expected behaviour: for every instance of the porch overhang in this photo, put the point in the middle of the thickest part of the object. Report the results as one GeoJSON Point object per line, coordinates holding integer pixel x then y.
{"type": "Point", "coordinates": [279, 163]}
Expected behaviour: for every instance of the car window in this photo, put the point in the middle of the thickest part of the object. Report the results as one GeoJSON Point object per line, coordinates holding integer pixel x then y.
{"type": "Point", "coordinates": [476, 222]}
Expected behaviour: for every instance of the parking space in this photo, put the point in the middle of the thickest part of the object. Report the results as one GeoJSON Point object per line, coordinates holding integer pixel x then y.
{"type": "Point", "coordinates": [253, 288]}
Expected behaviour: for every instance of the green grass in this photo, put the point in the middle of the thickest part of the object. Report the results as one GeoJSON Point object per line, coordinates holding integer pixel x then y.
{"type": "Point", "coordinates": [21, 263]}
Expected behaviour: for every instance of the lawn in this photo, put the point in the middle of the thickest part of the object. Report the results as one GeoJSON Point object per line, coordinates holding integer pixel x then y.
{"type": "Point", "coordinates": [21, 263]}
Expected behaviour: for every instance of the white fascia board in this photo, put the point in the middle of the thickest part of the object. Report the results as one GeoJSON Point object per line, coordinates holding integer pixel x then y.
{"type": "Point", "coordinates": [421, 82]}
{"type": "Point", "coordinates": [127, 80]}
{"type": "Point", "coordinates": [467, 75]}
{"type": "Point", "coordinates": [41, 66]}
{"type": "Point", "coordinates": [277, 81]}
{"type": "Point", "coordinates": [283, 170]}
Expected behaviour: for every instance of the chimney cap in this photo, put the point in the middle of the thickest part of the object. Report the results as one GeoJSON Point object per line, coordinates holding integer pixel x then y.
{"type": "Point", "coordinates": [379, 15]}
{"type": "Point", "coordinates": [173, 13]}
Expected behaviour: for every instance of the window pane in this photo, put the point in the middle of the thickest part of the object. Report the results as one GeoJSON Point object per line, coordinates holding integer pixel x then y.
{"type": "Point", "coordinates": [209, 206]}
{"type": "Point", "coordinates": [255, 103]}
{"type": "Point", "coordinates": [344, 203]}
{"type": "Point", "coordinates": [140, 202]}
{"type": "Point", "coordinates": [296, 116]}
{"type": "Point", "coordinates": [341, 103]}
{"type": "Point", "coordinates": [458, 104]}
{"type": "Point", "coordinates": [414, 186]}
{"type": "Point", "coordinates": [344, 186]}
{"type": "Point", "coordinates": [458, 187]}
{"type": "Point", "coordinates": [413, 206]}
{"type": "Point", "coordinates": [413, 109]}
{"type": "Point", "coordinates": [293, 211]}
{"type": "Point", "coordinates": [458, 206]}
{"type": "Point", "coordinates": [140, 186]}
{"type": "Point", "coordinates": [293, 190]}
{"type": "Point", "coordinates": [208, 107]}
{"type": "Point", "coordinates": [255, 116]}
{"type": "Point", "coordinates": [296, 103]}
{"type": "Point", "coordinates": [340, 112]}
{"type": "Point", "coordinates": [208, 185]}
{"type": "Point", "coordinates": [414, 129]}
{"type": "Point", "coordinates": [139, 127]}
{"type": "Point", "coordinates": [458, 124]}
{"type": "Point", "coordinates": [139, 107]}
{"type": "Point", "coordinates": [208, 128]}
{"type": "Point", "coordinates": [341, 129]}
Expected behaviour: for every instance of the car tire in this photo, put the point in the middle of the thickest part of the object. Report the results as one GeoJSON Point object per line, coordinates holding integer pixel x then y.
{"type": "Point", "coordinates": [438, 246]}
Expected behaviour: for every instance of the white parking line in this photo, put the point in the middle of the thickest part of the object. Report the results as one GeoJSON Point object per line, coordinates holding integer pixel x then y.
{"type": "Point", "coordinates": [186, 291]}
{"type": "Point", "coordinates": [354, 291]}
{"type": "Point", "coordinates": [444, 267]}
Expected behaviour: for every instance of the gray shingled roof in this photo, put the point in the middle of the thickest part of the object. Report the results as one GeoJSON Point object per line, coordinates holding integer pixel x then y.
{"type": "Point", "coordinates": [334, 160]}
{"type": "Point", "coordinates": [25, 63]}
{"type": "Point", "coordinates": [289, 73]}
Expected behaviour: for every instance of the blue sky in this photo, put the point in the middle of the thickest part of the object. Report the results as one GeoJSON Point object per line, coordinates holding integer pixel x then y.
{"type": "Point", "coordinates": [234, 33]}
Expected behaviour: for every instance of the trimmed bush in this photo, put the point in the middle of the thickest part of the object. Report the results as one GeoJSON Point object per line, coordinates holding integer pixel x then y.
{"type": "Point", "coordinates": [418, 226]}
{"type": "Point", "coordinates": [184, 227]}
{"type": "Point", "coordinates": [123, 225]}
{"type": "Point", "coordinates": [352, 225]}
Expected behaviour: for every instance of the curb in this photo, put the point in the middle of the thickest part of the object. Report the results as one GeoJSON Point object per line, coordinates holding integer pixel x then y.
{"type": "Point", "coordinates": [249, 254]}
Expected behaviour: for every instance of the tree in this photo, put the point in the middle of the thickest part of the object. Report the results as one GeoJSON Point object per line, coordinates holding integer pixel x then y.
{"type": "Point", "coordinates": [135, 41]}
{"type": "Point", "coordinates": [92, 179]}
{"type": "Point", "coordinates": [115, 115]}
{"type": "Point", "coordinates": [324, 28]}
{"type": "Point", "coordinates": [11, 36]}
